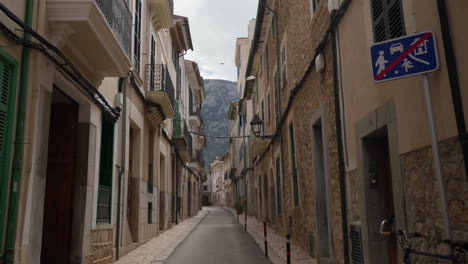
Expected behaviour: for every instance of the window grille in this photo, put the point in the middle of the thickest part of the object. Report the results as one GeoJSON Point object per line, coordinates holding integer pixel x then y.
{"type": "Point", "coordinates": [106, 167]}
{"type": "Point", "coordinates": [356, 243]}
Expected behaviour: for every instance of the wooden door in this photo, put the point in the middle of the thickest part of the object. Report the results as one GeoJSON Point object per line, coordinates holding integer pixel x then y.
{"type": "Point", "coordinates": [384, 169]}
{"type": "Point", "coordinates": [58, 205]}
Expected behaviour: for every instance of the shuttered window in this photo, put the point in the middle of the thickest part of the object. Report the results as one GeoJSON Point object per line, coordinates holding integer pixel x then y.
{"type": "Point", "coordinates": [7, 95]}
{"type": "Point", "coordinates": [137, 37]}
{"type": "Point", "coordinates": [387, 19]}
{"type": "Point", "coordinates": [356, 244]}
{"type": "Point", "coordinates": [153, 60]}
{"type": "Point", "coordinates": [5, 79]}
{"type": "Point", "coordinates": [106, 166]}
{"type": "Point", "coordinates": [283, 65]}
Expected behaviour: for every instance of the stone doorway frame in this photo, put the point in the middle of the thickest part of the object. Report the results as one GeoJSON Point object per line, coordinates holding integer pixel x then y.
{"type": "Point", "coordinates": [320, 117]}
{"type": "Point", "coordinates": [383, 116]}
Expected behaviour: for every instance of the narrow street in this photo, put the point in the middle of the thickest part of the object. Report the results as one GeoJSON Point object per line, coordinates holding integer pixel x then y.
{"type": "Point", "coordinates": [218, 239]}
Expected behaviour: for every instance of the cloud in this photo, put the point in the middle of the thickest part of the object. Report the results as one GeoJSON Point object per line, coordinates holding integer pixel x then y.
{"type": "Point", "coordinates": [215, 25]}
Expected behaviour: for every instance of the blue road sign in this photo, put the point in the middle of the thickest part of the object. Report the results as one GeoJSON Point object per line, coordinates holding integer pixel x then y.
{"type": "Point", "coordinates": [404, 57]}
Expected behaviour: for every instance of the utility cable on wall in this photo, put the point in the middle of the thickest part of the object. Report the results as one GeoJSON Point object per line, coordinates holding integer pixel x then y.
{"type": "Point", "coordinates": [62, 63]}
{"type": "Point", "coordinates": [225, 137]}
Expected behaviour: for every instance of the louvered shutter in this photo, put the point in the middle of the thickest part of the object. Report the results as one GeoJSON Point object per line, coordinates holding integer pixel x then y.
{"type": "Point", "coordinates": [387, 19]}
{"type": "Point", "coordinates": [356, 243]}
{"type": "Point", "coordinates": [6, 91]}
{"type": "Point", "coordinates": [5, 79]}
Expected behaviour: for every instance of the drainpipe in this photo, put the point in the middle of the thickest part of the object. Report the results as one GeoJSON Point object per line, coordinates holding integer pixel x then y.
{"type": "Point", "coordinates": [123, 85]}
{"type": "Point", "coordinates": [19, 137]}
{"type": "Point", "coordinates": [454, 81]}
{"type": "Point", "coordinates": [177, 190]}
{"type": "Point", "coordinates": [342, 175]}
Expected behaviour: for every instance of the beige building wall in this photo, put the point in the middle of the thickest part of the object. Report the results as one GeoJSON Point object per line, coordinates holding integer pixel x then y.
{"type": "Point", "coordinates": [399, 105]}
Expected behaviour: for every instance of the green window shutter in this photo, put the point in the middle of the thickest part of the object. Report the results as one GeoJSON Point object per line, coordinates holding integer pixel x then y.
{"type": "Point", "coordinates": [387, 19]}
{"type": "Point", "coordinates": [7, 111]}
{"type": "Point", "coordinates": [5, 73]}
{"type": "Point", "coordinates": [106, 167]}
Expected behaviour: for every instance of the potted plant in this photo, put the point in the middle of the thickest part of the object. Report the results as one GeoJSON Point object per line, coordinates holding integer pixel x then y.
{"type": "Point", "coordinates": [239, 208]}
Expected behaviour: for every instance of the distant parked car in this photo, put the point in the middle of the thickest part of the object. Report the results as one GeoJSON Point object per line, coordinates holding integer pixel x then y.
{"type": "Point", "coordinates": [396, 47]}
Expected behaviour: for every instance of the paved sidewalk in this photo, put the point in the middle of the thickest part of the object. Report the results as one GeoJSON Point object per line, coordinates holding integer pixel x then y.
{"type": "Point", "coordinates": [276, 242]}
{"type": "Point", "coordinates": [157, 250]}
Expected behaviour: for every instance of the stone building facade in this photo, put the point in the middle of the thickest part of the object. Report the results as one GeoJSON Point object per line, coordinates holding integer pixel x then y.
{"type": "Point", "coordinates": [336, 153]}
{"type": "Point", "coordinates": [90, 128]}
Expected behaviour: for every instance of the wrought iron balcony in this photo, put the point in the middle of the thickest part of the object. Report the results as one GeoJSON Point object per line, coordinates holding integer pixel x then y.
{"type": "Point", "coordinates": [180, 129]}
{"type": "Point", "coordinates": [119, 18]}
{"type": "Point", "coordinates": [96, 35]}
{"type": "Point", "coordinates": [182, 139]}
{"type": "Point", "coordinates": [159, 79]}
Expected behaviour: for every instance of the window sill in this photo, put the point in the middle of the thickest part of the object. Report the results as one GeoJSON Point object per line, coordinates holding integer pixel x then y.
{"type": "Point", "coordinates": [102, 226]}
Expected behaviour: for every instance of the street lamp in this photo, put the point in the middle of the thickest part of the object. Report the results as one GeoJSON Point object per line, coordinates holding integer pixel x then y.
{"type": "Point", "coordinates": [256, 124]}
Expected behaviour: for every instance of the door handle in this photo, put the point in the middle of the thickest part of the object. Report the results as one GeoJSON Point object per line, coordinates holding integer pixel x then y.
{"type": "Point", "coordinates": [382, 227]}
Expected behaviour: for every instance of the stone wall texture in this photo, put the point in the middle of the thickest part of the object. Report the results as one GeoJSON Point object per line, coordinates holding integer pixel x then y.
{"type": "Point", "coordinates": [422, 195]}
{"type": "Point", "coordinates": [301, 30]}
{"type": "Point", "coordinates": [101, 246]}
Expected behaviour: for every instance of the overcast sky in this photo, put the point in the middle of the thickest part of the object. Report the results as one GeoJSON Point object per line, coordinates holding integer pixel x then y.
{"type": "Point", "coordinates": [215, 25]}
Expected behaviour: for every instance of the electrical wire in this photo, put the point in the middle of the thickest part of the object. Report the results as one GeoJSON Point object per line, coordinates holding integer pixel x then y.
{"type": "Point", "coordinates": [222, 137]}
{"type": "Point", "coordinates": [60, 60]}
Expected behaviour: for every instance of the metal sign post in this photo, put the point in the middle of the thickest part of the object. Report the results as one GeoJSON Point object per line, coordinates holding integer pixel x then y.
{"type": "Point", "coordinates": [405, 57]}
{"type": "Point", "coordinates": [436, 156]}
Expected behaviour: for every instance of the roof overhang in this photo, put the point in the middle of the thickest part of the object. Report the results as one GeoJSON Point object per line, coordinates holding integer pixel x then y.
{"type": "Point", "coordinates": [195, 80]}
{"type": "Point", "coordinates": [232, 112]}
{"type": "Point", "coordinates": [180, 35]}
{"type": "Point", "coordinates": [258, 43]}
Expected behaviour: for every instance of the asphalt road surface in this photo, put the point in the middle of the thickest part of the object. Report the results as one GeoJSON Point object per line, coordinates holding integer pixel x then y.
{"type": "Point", "coordinates": [218, 239]}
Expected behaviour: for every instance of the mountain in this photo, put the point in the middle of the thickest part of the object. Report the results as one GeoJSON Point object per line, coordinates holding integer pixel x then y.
{"type": "Point", "coordinates": [219, 95]}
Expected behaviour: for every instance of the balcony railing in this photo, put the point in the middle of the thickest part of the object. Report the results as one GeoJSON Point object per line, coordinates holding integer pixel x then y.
{"type": "Point", "coordinates": [119, 18]}
{"type": "Point", "coordinates": [159, 79]}
{"type": "Point", "coordinates": [181, 129]}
